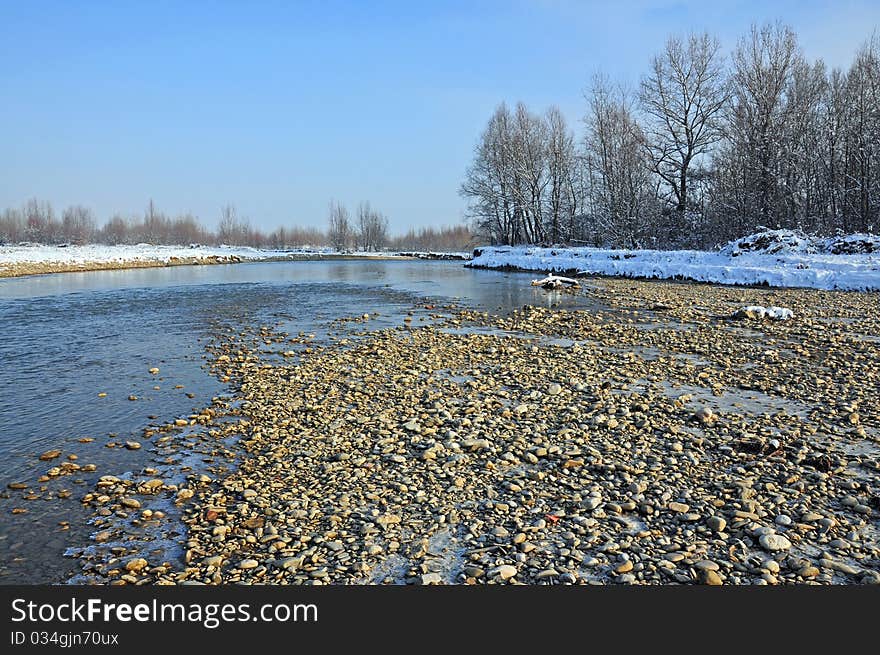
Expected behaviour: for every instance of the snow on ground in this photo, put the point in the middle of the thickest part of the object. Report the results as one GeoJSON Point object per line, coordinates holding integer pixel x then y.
{"type": "Point", "coordinates": [96, 254]}
{"type": "Point", "coordinates": [757, 312]}
{"type": "Point", "coordinates": [101, 254]}
{"type": "Point", "coordinates": [775, 258]}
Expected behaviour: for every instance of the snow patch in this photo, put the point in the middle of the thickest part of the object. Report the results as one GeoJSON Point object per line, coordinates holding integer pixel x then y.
{"type": "Point", "coordinates": [758, 312]}
{"type": "Point", "coordinates": [555, 282]}
{"type": "Point", "coordinates": [142, 252]}
{"type": "Point", "coordinates": [145, 253]}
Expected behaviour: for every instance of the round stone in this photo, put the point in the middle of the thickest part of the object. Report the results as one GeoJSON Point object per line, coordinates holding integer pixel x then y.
{"type": "Point", "coordinates": [774, 542]}
{"type": "Point", "coordinates": [716, 523]}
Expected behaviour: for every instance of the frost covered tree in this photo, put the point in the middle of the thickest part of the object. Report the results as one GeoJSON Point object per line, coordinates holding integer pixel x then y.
{"type": "Point", "coordinates": [523, 185]}
{"type": "Point", "coordinates": [764, 62]}
{"type": "Point", "coordinates": [528, 172]}
{"type": "Point", "coordinates": [563, 179]}
{"type": "Point", "coordinates": [683, 97]}
{"type": "Point", "coordinates": [861, 165]}
{"type": "Point", "coordinates": [619, 187]}
{"type": "Point", "coordinates": [487, 185]}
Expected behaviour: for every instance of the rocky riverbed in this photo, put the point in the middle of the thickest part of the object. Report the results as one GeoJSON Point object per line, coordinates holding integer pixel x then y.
{"type": "Point", "coordinates": [657, 441]}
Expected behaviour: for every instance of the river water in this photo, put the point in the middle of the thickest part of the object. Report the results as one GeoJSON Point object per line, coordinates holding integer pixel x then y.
{"type": "Point", "coordinates": [66, 338]}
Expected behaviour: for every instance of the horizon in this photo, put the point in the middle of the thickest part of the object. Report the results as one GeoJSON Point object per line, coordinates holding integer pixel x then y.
{"type": "Point", "coordinates": [280, 110]}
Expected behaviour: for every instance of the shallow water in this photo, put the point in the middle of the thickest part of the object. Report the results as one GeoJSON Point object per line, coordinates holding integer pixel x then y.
{"type": "Point", "coordinates": [66, 338]}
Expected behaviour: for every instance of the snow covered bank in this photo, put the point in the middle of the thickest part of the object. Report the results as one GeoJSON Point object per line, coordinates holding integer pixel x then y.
{"type": "Point", "coordinates": [36, 259]}
{"type": "Point", "coordinates": [101, 254]}
{"type": "Point", "coordinates": [775, 258]}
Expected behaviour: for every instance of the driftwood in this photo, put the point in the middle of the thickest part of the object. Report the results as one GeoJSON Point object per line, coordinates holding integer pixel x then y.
{"type": "Point", "coordinates": [555, 282]}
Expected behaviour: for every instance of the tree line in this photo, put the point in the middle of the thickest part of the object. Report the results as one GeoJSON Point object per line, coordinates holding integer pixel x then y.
{"type": "Point", "coordinates": [367, 230]}
{"type": "Point", "coordinates": [708, 148]}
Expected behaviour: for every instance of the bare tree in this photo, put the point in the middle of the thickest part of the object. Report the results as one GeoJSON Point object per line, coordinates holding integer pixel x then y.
{"type": "Point", "coordinates": [763, 65]}
{"type": "Point", "coordinates": [529, 179]}
{"type": "Point", "coordinates": [619, 188]}
{"type": "Point", "coordinates": [562, 164]}
{"type": "Point", "coordinates": [456, 238]}
{"type": "Point", "coordinates": [12, 228]}
{"type": "Point", "coordinates": [40, 223]}
{"type": "Point", "coordinates": [77, 224]}
{"type": "Point", "coordinates": [339, 230]}
{"type": "Point", "coordinates": [372, 228]}
{"type": "Point", "coordinates": [115, 231]}
{"type": "Point", "coordinates": [185, 230]}
{"type": "Point", "coordinates": [521, 181]}
{"type": "Point", "coordinates": [234, 230]}
{"type": "Point", "coordinates": [488, 183]}
{"type": "Point", "coordinates": [862, 166]}
{"type": "Point", "coordinates": [683, 97]}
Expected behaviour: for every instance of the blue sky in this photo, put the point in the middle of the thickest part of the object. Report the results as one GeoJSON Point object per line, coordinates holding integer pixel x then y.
{"type": "Point", "coordinates": [279, 107]}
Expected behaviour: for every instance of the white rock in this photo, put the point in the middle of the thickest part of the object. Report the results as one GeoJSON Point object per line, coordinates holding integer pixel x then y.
{"type": "Point", "coordinates": [774, 542]}
{"type": "Point", "coordinates": [506, 571]}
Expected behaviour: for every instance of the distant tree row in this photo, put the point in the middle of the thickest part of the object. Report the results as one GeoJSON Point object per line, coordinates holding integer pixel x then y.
{"type": "Point", "coordinates": [37, 222]}
{"type": "Point", "coordinates": [708, 149]}
{"type": "Point", "coordinates": [368, 231]}
{"type": "Point", "coordinates": [457, 238]}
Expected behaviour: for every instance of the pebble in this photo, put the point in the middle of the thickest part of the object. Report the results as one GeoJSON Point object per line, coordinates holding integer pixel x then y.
{"type": "Point", "coordinates": [625, 567]}
{"type": "Point", "coordinates": [474, 572]}
{"type": "Point", "coordinates": [546, 573]}
{"type": "Point", "coordinates": [774, 542]}
{"type": "Point", "coordinates": [716, 523]}
{"type": "Point", "coordinates": [808, 572]}
{"type": "Point", "coordinates": [391, 456]}
{"type": "Point", "coordinates": [136, 565]}
{"type": "Point", "coordinates": [505, 571]}
{"type": "Point", "coordinates": [711, 577]}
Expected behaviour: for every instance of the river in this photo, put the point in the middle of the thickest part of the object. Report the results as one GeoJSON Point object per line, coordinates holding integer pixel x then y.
{"type": "Point", "coordinates": [66, 338]}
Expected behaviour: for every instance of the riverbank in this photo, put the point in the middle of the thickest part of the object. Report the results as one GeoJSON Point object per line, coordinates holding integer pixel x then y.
{"type": "Point", "coordinates": [658, 441]}
{"type": "Point", "coordinates": [17, 261]}
{"type": "Point", "coordinates": [777, 258]}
